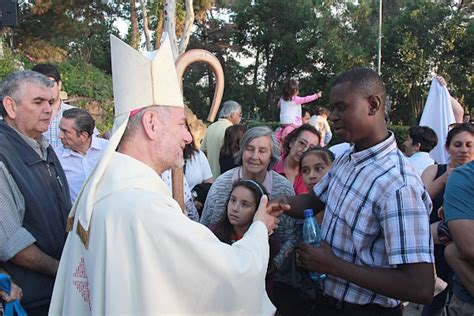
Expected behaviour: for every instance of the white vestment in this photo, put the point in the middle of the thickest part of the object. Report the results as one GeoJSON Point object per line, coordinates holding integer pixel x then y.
{"type": "Point", "coordinates": [438, 114]}
{"type": "Point", "coordinates": [145, 257]}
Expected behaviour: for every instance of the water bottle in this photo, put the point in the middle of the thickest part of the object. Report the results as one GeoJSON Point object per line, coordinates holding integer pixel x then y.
{"type": "Point", "coordinates": [312, 236]}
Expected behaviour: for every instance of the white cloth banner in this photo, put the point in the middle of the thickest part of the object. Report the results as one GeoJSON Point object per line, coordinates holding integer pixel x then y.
{"type": "Point", "coordinates": [438, 115]}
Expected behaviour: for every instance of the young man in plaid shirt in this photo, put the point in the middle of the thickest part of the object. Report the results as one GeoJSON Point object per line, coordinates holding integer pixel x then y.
{"type": "Point", "coordinates": [378, 249]}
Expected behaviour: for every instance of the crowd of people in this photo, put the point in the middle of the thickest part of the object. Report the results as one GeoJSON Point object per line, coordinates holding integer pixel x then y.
{"type": "Point", "coordinates": [89, 225]}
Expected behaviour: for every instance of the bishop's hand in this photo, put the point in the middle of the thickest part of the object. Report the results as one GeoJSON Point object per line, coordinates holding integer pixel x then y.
{"type": "Point", "coordinates": [266, 214]}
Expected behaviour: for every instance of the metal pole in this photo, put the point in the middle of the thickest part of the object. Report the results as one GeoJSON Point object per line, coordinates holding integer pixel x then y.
{"type": "Point", "coordinates": [379, 57]}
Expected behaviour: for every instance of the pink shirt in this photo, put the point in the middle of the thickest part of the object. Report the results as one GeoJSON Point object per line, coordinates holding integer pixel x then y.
{"type": "Point", "coordinates": [298, 185]}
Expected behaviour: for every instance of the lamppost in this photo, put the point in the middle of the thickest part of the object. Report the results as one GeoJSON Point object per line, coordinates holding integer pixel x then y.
{"type": "Point", "coordinates": [379, 57]}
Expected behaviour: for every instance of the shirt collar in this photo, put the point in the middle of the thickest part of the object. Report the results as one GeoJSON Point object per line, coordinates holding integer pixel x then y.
{"type": "Point", "coordinates": [40, 146]}
{"type": "Point", "coordinates": [68, 152]}
{"type": "Point", "coordinates": [421, 154]}
{"type": "Point", "coordinates": [375, 152]}
{"type": "Point", "coordinates": [95, 144]}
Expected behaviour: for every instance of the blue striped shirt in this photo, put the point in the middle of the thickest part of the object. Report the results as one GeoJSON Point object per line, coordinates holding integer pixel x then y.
{"type": "Point", "coordinates": [376, 215]}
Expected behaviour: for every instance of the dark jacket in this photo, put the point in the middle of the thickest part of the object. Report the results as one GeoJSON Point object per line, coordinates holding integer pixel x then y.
{"type": "Point", "coordinates": [47, 204]}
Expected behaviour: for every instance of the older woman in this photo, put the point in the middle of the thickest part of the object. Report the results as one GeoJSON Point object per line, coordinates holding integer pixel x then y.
{"type": "Point", "coordinates": [259, 151]}
{"type": "Point", "coordinates": [294, 146]}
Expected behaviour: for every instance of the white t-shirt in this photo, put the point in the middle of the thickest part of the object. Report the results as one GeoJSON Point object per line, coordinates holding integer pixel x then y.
{"type": "Point", "coordinates": [290, 112]}
{"type": "Point", "coordinates": [420, 161]}
{"type": "Point", "coordinates": [197, 169]}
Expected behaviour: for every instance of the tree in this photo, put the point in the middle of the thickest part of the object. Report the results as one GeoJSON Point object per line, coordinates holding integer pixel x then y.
{"type": "Point", "coordinates": [78, 29]}
{"type": "Point", "coordinates": [423, 39]}
{"type": "Point", "coordinates": [278, 34]}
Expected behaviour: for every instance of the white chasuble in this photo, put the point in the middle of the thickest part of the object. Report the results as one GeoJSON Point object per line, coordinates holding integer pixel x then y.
{"type": "Point", "coordinates": [145, 257]}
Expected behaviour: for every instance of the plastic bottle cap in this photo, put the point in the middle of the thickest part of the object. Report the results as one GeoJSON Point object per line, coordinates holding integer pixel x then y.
{"type": "Point", "coordinates": [308, 213]}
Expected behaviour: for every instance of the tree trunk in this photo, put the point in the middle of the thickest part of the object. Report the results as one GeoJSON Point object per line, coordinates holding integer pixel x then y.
{"type": "Point", "coordinates": [146, 29]}
{"type": "Point", "coordinates": [188, 24]}
{"type": "Point", "coordinates": [170, 25]}
{"type": "Point", "coordinates": [255, 76]}
{"type": "Point", "coordinates": [159, 29]}
{"type": "Point", "coordinates": [255, 69]}
{"type": "Point", "coordinates": [268, 74]}
{"type": "Point", "coordinates": [2, 54]}
{"type": "Point", "coordinates": [134, 37]}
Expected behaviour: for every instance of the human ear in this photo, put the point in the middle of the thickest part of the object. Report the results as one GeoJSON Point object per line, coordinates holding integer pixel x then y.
{"type": "Point", "coordinates": [10, 106]}
{"type": "Point", "coordinates": [84, 136]}
{"type": "Point", "coordinates": [416, 147]}
{"type": "Point", "coordinates": [149, 124]}
{"type": "Point", "coordinates": [375, 104]}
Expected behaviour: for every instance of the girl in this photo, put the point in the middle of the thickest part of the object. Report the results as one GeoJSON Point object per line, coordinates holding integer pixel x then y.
{"type": "Point", "coordinates": [314, 164]}
{"type": "Point", "coordinates": [290, 108]}
{"type": "Point", "coordinates": [240, 210]}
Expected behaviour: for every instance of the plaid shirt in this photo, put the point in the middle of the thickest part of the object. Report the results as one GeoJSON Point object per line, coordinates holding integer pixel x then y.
{"type": "Point", "coordinates": [377, 215]}
{"type": "Point", "coordinates": [52, 134]}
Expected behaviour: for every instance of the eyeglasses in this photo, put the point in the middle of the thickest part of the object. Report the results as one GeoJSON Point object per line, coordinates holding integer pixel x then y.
{"type": "Point", "coordinates": [302, 143]}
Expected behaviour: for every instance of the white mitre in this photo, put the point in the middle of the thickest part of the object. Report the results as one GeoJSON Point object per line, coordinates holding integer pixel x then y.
{"type": "Point", "coordinates": [139, 81]}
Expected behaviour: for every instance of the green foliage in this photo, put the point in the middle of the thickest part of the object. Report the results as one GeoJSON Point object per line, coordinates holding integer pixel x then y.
{"type": "Point", "coordinates": [273, 125]}
{"type": "Point", "coordinates": [422, 39]}
{"type": "Point", "coordinates": [8, 63]}
{"type": "Point", "coordinates": [309, 40]}
{"type": "Point", "coordinates": [278, 34]}
{"type": "Point", "coordinates": [91, 86]}
{"type": "Point", "coordinates": [82, 79]}
{"type": "Point", "coordinates": [401, 132]}
{"type": "Point", "coordinates": [81, 28]}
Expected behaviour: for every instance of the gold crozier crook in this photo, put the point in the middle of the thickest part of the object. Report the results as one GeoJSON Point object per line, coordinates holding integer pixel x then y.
{"type": "Point", "coordinates": [182, 63]}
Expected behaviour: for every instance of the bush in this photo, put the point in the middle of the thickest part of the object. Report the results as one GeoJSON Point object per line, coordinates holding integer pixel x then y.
{"type": "Point", "coordinates": [8, 63]}
{"type": "Point", "coordinates": [401, 132]}
{"type": "Point", "coordinates": [89, 85]}
{"type": "Point", "coordinates": [271, 124]}
{"type": "Point", "coordinates": [85, 80]}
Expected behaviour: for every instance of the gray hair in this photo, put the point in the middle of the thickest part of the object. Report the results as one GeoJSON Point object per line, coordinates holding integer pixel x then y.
{"type": "Point", "coordinates": [135, 122]}
{"type": "Point", "coordinates": [256, 132]}
{"type": "Point", "coordinates": [229, 107]}
{"type": "Point", "coordinates": [83, 121]}
{"type": "Point", "coordinates": [13, 85]}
